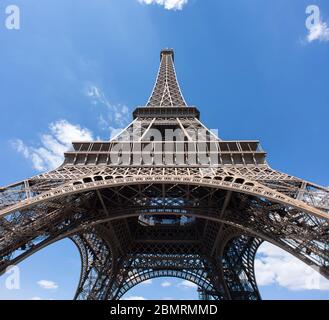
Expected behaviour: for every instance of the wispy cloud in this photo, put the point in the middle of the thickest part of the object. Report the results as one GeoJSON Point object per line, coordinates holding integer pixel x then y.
{"type": "Point", "coordinates": [318, 32]}
{"type": "Point", "coordinates": [274, 266]}
{"type": "Point", "coordinates": [187, 285]}
{"type": "Point", "coordinates": [114, 117]}
{"type": "Point", "coordinates": [167, 4]}
{"type": "Point", "coordinates": [166, 284]}
{"type": "Point", "coordinates": [36, 298]}
{"type": "Point", "coordinates": [48, 152]}
{"type": "Point", "coordinates": [47, 284]}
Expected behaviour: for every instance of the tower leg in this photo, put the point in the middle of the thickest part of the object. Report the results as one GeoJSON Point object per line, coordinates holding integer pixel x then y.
{"type": "Point", "coordinates": [96, 265]}
{"type": "Point", "coordinates": [237, 256]}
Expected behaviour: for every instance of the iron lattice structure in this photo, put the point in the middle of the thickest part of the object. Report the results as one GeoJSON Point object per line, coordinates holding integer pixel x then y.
{"type": "Point", "coordinates": [191, 206]}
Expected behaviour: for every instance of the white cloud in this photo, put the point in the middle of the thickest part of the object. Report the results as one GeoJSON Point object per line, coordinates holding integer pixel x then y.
{"type": "Point", "coordinates": [187, 284]}
{"type": "Point", "coordinates": [134, 298]}
{"type": "Point", "coordinates": [36, 298]}
{"type": "Point", "coordinates": [168, 4]}
{"type": "Point", "coordinates": [274, 266]}
{"type": "Point", "coordinates": [49, 154]}
{"type": "Point", "coordinates": [319, 32]}
{"type": "Point", "coordinates": [166, 284]}
{"type": "Point", "coordinates": [116, 116]}
{"type": "Point", "coordinates": [47, 284]}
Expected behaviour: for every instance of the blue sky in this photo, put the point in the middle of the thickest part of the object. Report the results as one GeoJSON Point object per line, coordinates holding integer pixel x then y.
{"type": "Point", "coordinates": [76, 69]}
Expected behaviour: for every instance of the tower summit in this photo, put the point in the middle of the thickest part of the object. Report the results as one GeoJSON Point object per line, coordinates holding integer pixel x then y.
{"type": "Point", "coordinates": [166, 92]}
{"type": "Point", "coordinates": [166, 197]}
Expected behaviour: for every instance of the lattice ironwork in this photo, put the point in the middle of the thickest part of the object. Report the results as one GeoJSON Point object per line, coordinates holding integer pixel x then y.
{"type": "Point", "coordinates": [146, 204]}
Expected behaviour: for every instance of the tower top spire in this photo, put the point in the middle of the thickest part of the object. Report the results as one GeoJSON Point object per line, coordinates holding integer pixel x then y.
{"type": "Point", "coordinates": [166, 91]}
{"type": "Point", "coordinates": [167, 51]}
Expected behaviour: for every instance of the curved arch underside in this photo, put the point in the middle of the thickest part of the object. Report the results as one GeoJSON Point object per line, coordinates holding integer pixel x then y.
{"type": "Point", "coordinates": [119, 221]}
{"type": "Point", "coordinates": [228, 275]}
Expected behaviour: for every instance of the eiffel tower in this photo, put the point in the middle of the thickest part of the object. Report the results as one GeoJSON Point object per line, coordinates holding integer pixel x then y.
{"type": "Point", "coordinates": [166, 197]}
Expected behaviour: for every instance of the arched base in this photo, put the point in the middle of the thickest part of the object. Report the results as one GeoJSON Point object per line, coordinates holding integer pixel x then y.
{"type": "Point", "coordinates": [228, 274]}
